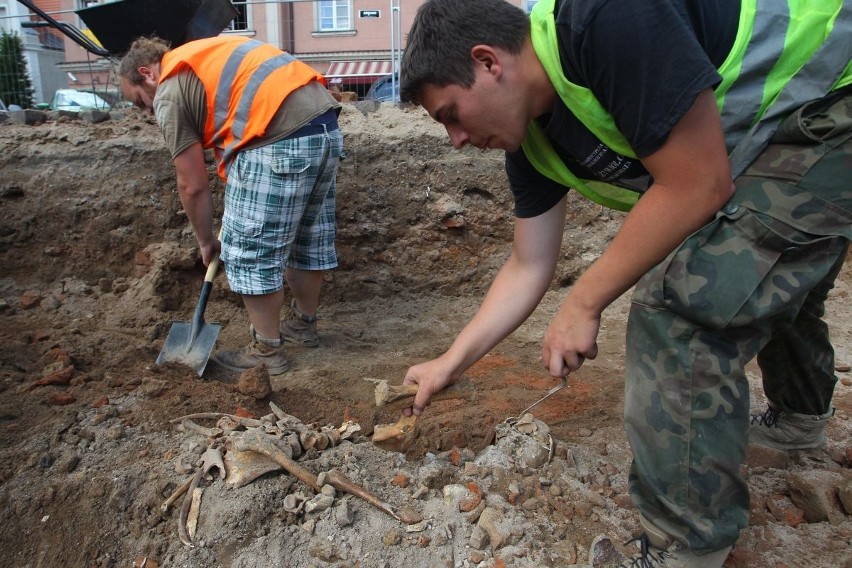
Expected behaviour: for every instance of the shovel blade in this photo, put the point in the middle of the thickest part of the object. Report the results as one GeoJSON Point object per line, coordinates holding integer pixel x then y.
{"type": "Point", "coordinates": [181, 347]}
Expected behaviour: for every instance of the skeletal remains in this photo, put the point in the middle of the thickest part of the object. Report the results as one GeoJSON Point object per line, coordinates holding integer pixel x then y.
{"type": "Point", "coordinates": [254, 447]}
{"type": "Point", "coordinates": [243, 449]}
{"type": "Point", "coordinates": [398, 437]}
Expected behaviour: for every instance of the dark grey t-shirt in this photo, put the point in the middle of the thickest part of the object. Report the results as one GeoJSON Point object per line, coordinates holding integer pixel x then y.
{"type": "Point", "coordinates": [645, 61]}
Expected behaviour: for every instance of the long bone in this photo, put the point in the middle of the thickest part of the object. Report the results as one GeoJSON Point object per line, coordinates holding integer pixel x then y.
{"type": "Point", "coordinates": [387, 393]}
{"type": "Point", "coordinates": [176, 494]}
{"type": "Point", "coordinates": [265, 444]}
{"type": "Point", "coordinates": [211, 458]}
{"type": "Point", "coordinates": [242, 420]}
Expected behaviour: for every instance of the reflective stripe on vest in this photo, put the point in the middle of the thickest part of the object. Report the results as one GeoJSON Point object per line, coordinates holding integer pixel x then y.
{"type": "Point", "coordinates": [815, 60]}
{"type": "Point", "coordinates": [758, 86]}
{"type": "Point", "coordinates": [246, 81]}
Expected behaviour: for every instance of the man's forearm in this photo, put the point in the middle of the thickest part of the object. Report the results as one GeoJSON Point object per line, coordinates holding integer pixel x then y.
{"type": "Point", "coordinates": [194, 191]}
{"type": "Point", "coordinates": [198, 206]}
{"type": "Point", "coordinates": [692, 181]}
{"type": "Point", "coordinates": [517, 289]}
{"type": "Point", "coordinates": [513, 296]}
{"type": "Point", "coordinates": [641, 243]}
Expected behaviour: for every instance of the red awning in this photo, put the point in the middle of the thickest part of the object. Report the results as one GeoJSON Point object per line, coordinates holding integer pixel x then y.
{"type": "Point", "coordinates": [357, 71]}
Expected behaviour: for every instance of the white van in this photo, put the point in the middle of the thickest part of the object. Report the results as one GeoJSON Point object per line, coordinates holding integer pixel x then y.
{"type": "Point", "coordinates": [77, 101]}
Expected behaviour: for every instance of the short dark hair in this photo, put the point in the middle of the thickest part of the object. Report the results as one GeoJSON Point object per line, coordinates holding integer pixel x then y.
{"type": "Point", "coordinates": [444, 32]}
{"type": "Point", "coordinates": [143, 52]}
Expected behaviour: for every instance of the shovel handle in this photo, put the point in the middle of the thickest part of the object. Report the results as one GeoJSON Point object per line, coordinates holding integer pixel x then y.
{"type": "Point", "coordinates": [201, 305]}
{"type": "Point", "coordinates": [214, 262]}
{"type": "Point", "coordinates": [212, 268]}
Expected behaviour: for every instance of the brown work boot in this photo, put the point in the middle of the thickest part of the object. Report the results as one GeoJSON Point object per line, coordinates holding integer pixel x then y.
{"type": "Point", "coordinates": [253, 355]}
{"type": "Point", "coordinates": [299, 328]}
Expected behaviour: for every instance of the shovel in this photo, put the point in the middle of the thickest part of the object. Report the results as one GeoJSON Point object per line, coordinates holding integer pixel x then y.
{"type": "Point", "coordinates": [191, 343]}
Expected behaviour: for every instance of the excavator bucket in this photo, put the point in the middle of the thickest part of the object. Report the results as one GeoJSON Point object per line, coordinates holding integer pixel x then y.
{"type": "Point", "coordinates": [117, 24]}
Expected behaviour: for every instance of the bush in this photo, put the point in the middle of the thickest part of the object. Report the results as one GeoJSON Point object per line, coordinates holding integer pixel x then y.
{"type": "Point", "coordinates": [15, 85]}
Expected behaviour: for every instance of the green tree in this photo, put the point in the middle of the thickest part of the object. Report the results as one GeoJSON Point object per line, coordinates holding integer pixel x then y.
{"type": "Point", "coordinates": [16, 88]}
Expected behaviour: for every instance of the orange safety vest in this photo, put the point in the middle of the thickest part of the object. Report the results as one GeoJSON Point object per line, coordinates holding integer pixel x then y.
{"type": "Point", "coordinates": [246, 82]}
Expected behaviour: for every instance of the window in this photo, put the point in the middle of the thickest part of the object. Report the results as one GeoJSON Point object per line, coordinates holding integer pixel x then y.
{"type": "Point", "coordinates": [84, 4]}
{"type": "Point", "coordinates": [5, 23]}
{"type": "Point", "coordinates": [530, 4]}
{"type": "Point", "coordinates": [334, 15]}
{"type": "Point", "coordinates": [241, 23]}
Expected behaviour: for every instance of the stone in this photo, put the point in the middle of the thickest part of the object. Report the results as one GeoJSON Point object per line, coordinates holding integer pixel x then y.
{"type": "Point", "coordinates": [493, 522]}
{"type": "Point", "coordinates": [401, 480]}
{"type": "Point", "coordinates": [478, 538]}
{"type": "Point", "coordinates": [815, 493]}
{"type": "Point", "coordinates": [319, 503]}
{"type": "Point", "coordinates": [29, 299]}
{"type": "Point", "coordinates": [784, 511]}
{"type": "Point", "coordinates": [94, 116]}
{"type": "Point", "coordinates": [343, 514]}
{"type": "Point", "coordinates": [28, 116]}
{"type": "Point", "coordinates": [392, 538]}
{"type": "Point", "coordinates": [255, 382]}
{"type": "Point", "coordinates": [603, 553]}
{"type": "Point", "coordinates": [845, 495]}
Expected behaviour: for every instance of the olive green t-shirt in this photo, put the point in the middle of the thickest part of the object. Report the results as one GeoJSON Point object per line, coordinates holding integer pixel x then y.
{"type": "Point", "coordinates": [180, 107]}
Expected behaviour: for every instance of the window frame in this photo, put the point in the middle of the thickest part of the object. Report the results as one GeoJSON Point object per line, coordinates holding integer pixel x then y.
{"type": "Point", "coordinates": [336, 6]}
{"type": "Point", "coordinates": [245, 15]}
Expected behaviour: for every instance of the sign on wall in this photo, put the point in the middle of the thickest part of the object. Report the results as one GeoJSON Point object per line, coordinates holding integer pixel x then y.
{"type": "Point", "coordinates": [369, 13]}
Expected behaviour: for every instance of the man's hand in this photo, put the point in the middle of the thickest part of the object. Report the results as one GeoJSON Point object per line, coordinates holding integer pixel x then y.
{"type": "Point", "coordinates": [209, 249]}
{"type": "Point", "coordinates": [431, 377]}
{"type": "Point", "coordinates": [570, 339]}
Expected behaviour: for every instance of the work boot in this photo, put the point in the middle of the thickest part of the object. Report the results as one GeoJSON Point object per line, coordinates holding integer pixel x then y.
{"type": "Point", "coordinates": [299, 328]}
{"type": "Point", "coordinates": [252, 355]}
{"type": "Point", "coordinates": [658, 549]}
{"type": "Point", "coordinates": [788, 430]}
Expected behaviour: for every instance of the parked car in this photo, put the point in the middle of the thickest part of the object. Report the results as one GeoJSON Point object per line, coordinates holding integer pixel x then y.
{"type": "Point", "coordinates": [77, 101]}
{"type": "Point", "coordinates": [382, 89]}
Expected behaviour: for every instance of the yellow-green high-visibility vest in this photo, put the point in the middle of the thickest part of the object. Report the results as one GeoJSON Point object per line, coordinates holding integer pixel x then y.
{"type": "Point", "coordinates": [805, 52]}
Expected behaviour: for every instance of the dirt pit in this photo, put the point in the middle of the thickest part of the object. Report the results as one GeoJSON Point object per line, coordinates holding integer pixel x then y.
{"type": "Point", "coordinates": [98, 261]}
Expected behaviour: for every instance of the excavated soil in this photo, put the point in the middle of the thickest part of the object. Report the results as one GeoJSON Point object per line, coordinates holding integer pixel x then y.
{"type": "Point", "coordinates": [97, 262]}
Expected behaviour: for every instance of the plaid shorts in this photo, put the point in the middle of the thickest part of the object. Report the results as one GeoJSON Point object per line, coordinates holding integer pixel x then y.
{"type": "Point", "coordinates": [280, 211]}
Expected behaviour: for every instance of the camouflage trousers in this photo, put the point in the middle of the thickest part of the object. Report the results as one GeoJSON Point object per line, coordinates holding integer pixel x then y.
{"type": "Point", "coordinates": [752, 283]}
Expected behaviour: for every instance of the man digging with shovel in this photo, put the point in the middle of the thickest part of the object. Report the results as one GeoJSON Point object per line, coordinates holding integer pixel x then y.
{"type": "Point", "coordinates": [273, 128]}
